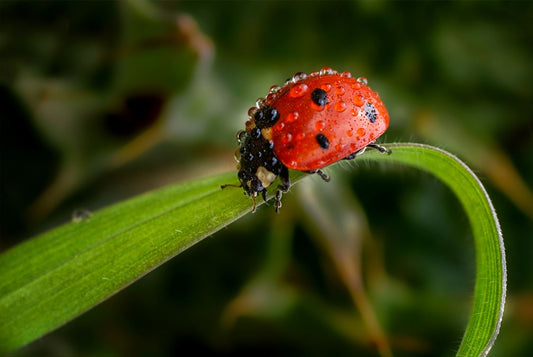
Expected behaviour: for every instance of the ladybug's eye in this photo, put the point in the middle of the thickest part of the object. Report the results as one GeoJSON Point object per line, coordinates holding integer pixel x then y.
{"type": "Point", "coordinates": [266, 117]}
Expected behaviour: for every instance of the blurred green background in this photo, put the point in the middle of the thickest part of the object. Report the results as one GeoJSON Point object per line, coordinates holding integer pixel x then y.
{"type": "Point", "coordinates": [104, 100]}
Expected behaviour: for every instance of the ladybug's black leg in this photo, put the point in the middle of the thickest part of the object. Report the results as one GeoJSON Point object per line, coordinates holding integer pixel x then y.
{"type": "Point", "coordinates": [230, 185]}
{"type": "Point", "coordinates": [253, 200]}
{"type": "Point", "coordinates": [379, 148]}
{"type": "Point", "coordinates": [320, 173]}
{"type": "Point", "coordinates": [355, 154]}
{"type": "Point", "coordinates": [264, 195]}
{"type": "Point", "coordinates": [283, 187]}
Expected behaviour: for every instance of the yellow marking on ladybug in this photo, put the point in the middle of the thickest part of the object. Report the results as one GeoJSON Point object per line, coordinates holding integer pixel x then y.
{"type": "Point", "coordinates": [267, 133]}
{"type": "Point", "coordinates": [266, 177]}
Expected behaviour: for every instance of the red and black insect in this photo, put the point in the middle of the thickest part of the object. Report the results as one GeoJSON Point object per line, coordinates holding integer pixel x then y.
{"type": "Point", "coordinates": [308, 123]}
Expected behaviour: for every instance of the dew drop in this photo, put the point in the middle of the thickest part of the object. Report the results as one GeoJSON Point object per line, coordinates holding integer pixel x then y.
{"type": "Point", "coordinates": [349, 133]}
{"type": "Point", "coordinates": [340, 90]}
{"type": "Point", "coordinates": [354, 112]}
{"type": "Point", "coordinates": [274, 89]}
{"type": "Point", "coordinates": [372, 136]}
{"type": "Point", "coordinates": [270, 97]}
{"type": "Point", "coordinates": [298, 90]}
{"type": "Point", "coordinates": [292, 117]}
{"type": "Point", "coordinates": [298, 76]}
{"type": "Point", "coordinates": [280, 125]}
{"type": "Point", "coordinates": [358, 100]}
{"type": "Point", "coordinates": [252, 111]}
{"type": "Point", "coordinates": [362, 80]}
{"type": "Point", "coordinates": [326, 70]}
{"type": "Point", "coordinates": [320, 125]}
{"type": "Point", "coordinates": [286, 138]}
{"type": "Point", "coordinates": [340, 106]}
{"type": "Point", "coordinates": [237, 155]}
{"type": "Point", "coordinates": [326, 87]}
{"type": "Point", "coordinates": [80, 215]}
{"type": "Point", "coordinates": [259, 102]}
{"type": "Point", "coordinates": [300, 136]}
{"type": "Point", "coordinates": [346, 74]}
{"type": "Point", "coordinates": [249, 125]}
{"type": "Point", "coordinates": [241, 136]}
{"type": "Point", "coordinates": [361, 132]}
{"type": "Point", "coordinates": [338, 147]}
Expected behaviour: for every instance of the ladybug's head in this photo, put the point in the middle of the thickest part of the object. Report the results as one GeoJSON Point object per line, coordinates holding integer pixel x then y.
{"type": "Point", "coordinates": [258, 165]}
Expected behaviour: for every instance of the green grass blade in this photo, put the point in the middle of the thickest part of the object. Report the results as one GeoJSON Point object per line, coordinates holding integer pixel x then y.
{"type": "Point", "coordinates": [48, 280]}
{"type": "Point", "coordinates": [490, 288]}
{"type": "Point", "coordinates": [55, 277]}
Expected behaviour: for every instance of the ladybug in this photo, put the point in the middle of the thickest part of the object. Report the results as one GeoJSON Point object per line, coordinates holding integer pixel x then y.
{"type": "Point", "coordinates": [308, 123]}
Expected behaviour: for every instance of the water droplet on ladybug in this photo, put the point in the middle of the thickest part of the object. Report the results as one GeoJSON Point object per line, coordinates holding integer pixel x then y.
{"type": "Point", "coordinates": [286, 138]}
{"type": "Point", "coordinates": [362, 80]}
{"type": "Point", "coordinates": [241, 136]}
{"type": "Point", "coordinates": [340, 106]}
{"type": "Point", "coordinates": [349, 133]}
{"type": "Point", "coordinates": [361, 132]}
{"type": "Point", "coordinates": [298, 76]}
{"type": "Point", "coordinates": [354, 112]}
{"type": "Point", "coordinates": [274, 89]}
{"type": "Point", "coordinates": [340, 90]}
{"type": "Point", "coordinates": [326, 87]}
{"type": "Point", "coordinates": [270, 97]}
{"type": "Point", "coordinates": [292, 117]}
{"type": "Point", "coordinates": [326, 70]}
{"type": "Point", "coordinates": [249, 125]}
{"type": "Point", "coordinates": [280, 125]}
{"type": "Point", "coordinates": [298, 90]}
{"type": "Point", "coordinates": [259, 102]}
{"type": "Point", "coordinates": [346, 74]}
{"type": "Point", "coordinates": [237, 155]}
{"type": "Point", "coordinates": [358, 100]}
{"type": "Point", "coordinates": [320, 125]}
{"type": "Point", "coordinates": [300, 136]}
{"type": "Point", "coordinates": [252, 111]}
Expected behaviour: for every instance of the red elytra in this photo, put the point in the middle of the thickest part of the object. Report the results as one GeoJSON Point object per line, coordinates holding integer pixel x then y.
{"type": "Point", "coordinates": [343, 120]}
{"type": "Point", "coordinates": [310, 122]}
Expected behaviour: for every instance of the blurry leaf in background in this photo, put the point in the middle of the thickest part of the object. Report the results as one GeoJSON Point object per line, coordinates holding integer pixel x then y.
{"type": "Point", "coordinates": [155, 56]}
{"type": "Point", "coordinates": [341, 228]}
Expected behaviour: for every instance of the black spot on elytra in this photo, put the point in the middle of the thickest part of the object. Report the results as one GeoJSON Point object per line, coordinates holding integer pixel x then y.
{"type": "Point", "coordinates": [266, 117]}
{"type": "Point", "coordinates": [319, 97]}
{"type": "Point", "coordinates": [322, 140]}
{"type": "Point", "coordinates": [370, 112]}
